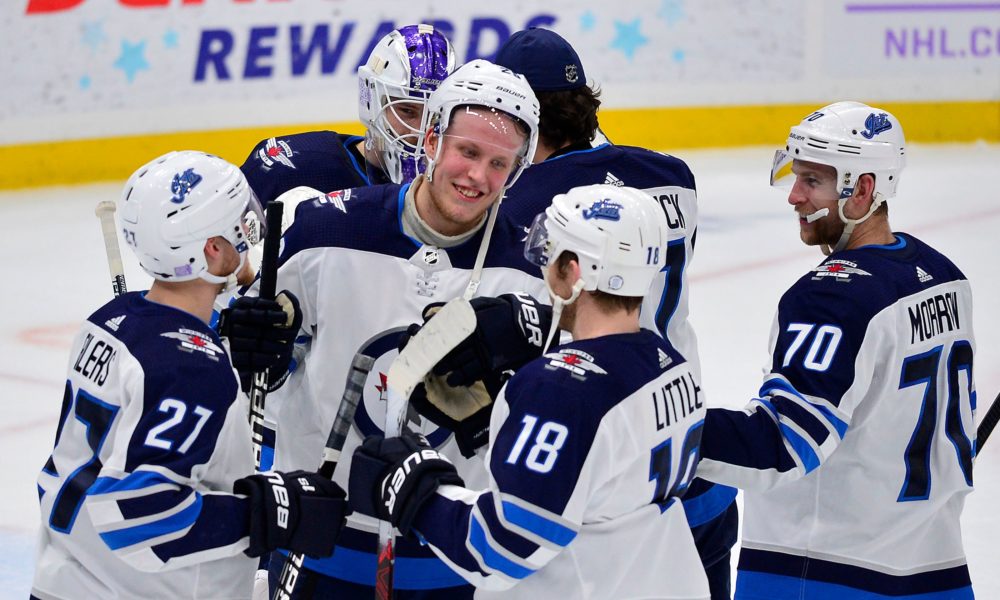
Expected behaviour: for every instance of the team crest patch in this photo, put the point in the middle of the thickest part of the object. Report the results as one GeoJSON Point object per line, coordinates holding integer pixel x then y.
{"type": "Point", "coordinates": [839, 270]}
{"type": "Point", "coordinates": [603, 209]}
{"type": "Point", "coordinates": [876, 124]}
{"type": "Point", "coordinates": [182, 184]}
{"type": "Point", "coordinates": [336, 199]}
{"type": "Point", "coordinates": [276, 151]}
{"type": "Point", "coordinates": [195, 341]}
{"type": "Point", "coordinates": [578, 363]}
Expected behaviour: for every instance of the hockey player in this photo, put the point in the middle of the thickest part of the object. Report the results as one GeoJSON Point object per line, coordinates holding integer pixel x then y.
{"type": "Point", "coordinates": [856, 456]}
{"type": "Point", "coordinates": [364, 262]}
{"type": "Point", "coordinates": [565, 159]}
{"type": "Point", "coordinates": [137, 497]}
{"type": "Point", "coordinates": [590, 446]}
{"type": "Point", "coordinates": [402, 70]}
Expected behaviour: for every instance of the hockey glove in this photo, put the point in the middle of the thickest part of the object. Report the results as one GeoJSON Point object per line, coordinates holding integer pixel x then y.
{"type": "Point", "coordinates": [465, 410]}
{"type": "Point", "coordinates": [298, 511]}
{"type": "Point", "coordinates": [510, 331]}
{"type": "Point", "coordinates": [392, 478]}
{"type": "Point", "coordinates": [261, 333]}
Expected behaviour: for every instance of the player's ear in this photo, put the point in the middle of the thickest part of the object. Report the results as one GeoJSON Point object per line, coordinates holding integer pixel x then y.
{"type": "Point", "coordinates": [213, 250]}
{"type": "Point", "coordinates": [864, 191]}
{"type": "Point", "coordinates": [431, 140]}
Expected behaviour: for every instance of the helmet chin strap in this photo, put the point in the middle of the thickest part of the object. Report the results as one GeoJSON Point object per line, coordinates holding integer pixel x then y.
{"type": "Point", "coordinates": [228, 282]}
{"type": "Point", "coordinates": [849, 224]}
{"type": "Point", "coordinates": [558, 302]}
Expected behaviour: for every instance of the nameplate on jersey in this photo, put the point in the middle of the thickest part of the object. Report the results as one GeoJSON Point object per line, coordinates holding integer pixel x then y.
{"type": "Point", "coordinates": [933, 316]}
{"type": "Point", "coordinates": [194, 341]}
{"type": "Point", "coordinates": [839, 270]}
{"type": "Point", "coordinates": [94, 359]}
{"type": "Point", "coordinates": [578, 363]}
{"type": "Point", "coordinates": [674, 201]}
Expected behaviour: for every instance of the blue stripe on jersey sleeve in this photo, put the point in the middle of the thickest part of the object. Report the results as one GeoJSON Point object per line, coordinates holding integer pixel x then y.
{"type": "Point", "coordinates": [537, 524]}
{"type": "Point", "coordinates": [802, 448]}
{"type": "Point", "coordinates": [780, 384]}
{"type": "Point", "coordinates": [130, 536]}
{"type": "Point", "coordinates": [512, 541]}
{"type": "Point", "coordinates": [133, 481]}
{"type": "Point", "coordinates": [704, 507]}
{"type": "Point", "coordinates": [493, 559]}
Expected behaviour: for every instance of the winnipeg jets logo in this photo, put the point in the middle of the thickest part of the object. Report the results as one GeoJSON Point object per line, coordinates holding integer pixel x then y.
{"type": "Point", "coordinates": [578, 363]}
{"type": "Point", "coordinates": [603, 209]}
{"type": "Point", "coordinates": [876, 124]}
{"type": "Point", "coordinates": [336, 199]}
{"type": "Point", "coordinates": [182, 184]}
{"type": "Point", "coordinates": [839, 270]}
{"type": "Point", "coordinates": [276, 150]}
{"type": "Point", "coordinates": [194, 341]}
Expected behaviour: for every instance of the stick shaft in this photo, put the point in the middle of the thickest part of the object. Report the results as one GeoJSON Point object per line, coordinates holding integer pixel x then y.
{"type": "Point", "coordinates": [105, 211]}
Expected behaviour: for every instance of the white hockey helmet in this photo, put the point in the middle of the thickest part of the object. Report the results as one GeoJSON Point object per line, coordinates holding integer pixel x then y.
{"type": "Point", "coordinates": [619, 234]}
{"type": "Point", "coordinates": [172, 205]}
{"type": "Point", "coordinates": [404, 67]}
{"type": "Point", "coordinates": [482, 83]}
{"type": "Point", "coordinates": [854, 139]}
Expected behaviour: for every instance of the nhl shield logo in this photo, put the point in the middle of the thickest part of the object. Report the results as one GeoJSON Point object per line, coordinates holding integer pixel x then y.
{"type": "Point", "coordinates": [431, 256]}
{"type": "Point", "coordinates": [571, 74]}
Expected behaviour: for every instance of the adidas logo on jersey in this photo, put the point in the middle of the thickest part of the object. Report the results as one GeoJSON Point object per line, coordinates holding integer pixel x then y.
{"type": "Point", "coordinates": [923, 275]}
{"type": "Point", "coordinates": [114, 323]}
{"type": "Point", "coordinates": [664, 358]}
{"type": "Point", "coordinates": [612, 180]}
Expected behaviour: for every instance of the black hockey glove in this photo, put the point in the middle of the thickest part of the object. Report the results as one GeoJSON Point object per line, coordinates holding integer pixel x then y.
{"type": "Point", "coordinates": [510, 331]}
{"type": "Point", "coordinates": [298, 511]}
{"type": "Point", "coordinates": [261, 333]}
{"type": "Point", "coordinates": [392, 478]}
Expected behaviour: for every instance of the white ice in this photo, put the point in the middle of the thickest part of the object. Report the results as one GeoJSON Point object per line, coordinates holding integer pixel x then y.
{"type": "Point", "coordinates": [748, 253]}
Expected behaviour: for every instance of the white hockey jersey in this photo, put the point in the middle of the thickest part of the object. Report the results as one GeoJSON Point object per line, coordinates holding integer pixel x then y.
{"type": "Point", "coordinates": [590, 447]}
{"type": "Point", "coordinates": [135, 499]}
{"type": "Point", "coordinates": [857, 456]}
{"type": "Point", "coordinates": [361, 281]}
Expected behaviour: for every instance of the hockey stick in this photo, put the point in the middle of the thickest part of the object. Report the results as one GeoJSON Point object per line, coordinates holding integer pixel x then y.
{"type": "Point", "coordinates": [105, 211]}
{"type": "Point", "coordinates": [268, 282]}
{"type": "Point", "coordinates": [361, 365]}
{"type": "Point", "coordinates": [987, 424]}
{"type": "Point", "coordinates": [450, 326]}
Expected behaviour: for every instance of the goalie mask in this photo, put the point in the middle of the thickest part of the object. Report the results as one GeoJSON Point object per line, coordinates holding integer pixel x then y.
{"type": "Point", "coordinates": [171, 206]}
{"type": "Point", "coordinates": [480, 83]}
{"type": "Point", "coordinates": [619, 235]}
{"type": "Point", "coordinates": [402, 71]}
{"type": "Point", "coordinates": [854, 139]}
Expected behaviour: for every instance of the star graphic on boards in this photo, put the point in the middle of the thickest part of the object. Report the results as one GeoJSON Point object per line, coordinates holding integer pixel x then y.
{"type": "Point", "coordinates": [132, 59]}
{"type": "Point", "coordinates": [170, 39]}
{"type": "Point", "coordinates": [628, 39]}
{"type": "Point", "coordinates": [672, 11]}
{"type": "Point", "coordinates": [587, 21]}
{"type": "Point", "coordinates": [93, 34]}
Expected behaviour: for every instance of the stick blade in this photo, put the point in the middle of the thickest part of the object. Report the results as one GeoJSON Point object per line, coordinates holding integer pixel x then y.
{"type": "Point", "coordinates": [439, 336]}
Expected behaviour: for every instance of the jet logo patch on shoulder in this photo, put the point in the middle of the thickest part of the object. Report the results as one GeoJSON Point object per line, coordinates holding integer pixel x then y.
{"type": "Point", "coordinates": [336, 199]}
{"type": "Point", "coordinates": [578, 363]}
{"type": "Point", "coordinates": [195, 341]}
{"type": "Point", "coordinates": [276, 151]}
{"type": "Point", "coordinates": [839, 270]}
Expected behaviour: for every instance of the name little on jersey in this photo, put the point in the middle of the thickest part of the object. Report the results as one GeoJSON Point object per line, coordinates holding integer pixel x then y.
{"type": "Point", "coordinates": [676, 400]}
{"type": "Point", "coordinates": [934, 315]}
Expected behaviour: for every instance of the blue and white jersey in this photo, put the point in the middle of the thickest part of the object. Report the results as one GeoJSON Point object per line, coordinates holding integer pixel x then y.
{"type": "Point", "coordinates": [666, 307]}
{"type": "Point", "coordinates": [667, 178]}
{"type": "Point", "coordinates": [359, 278]}
{"type": "Point", "coordinates": [866, 421]}
{"type": "Point", "coordinates": [591, 447]}
{"type": "Point", "coordinates": [136, 498]}
{"type": "Point", "coordinates": [322, 160]}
